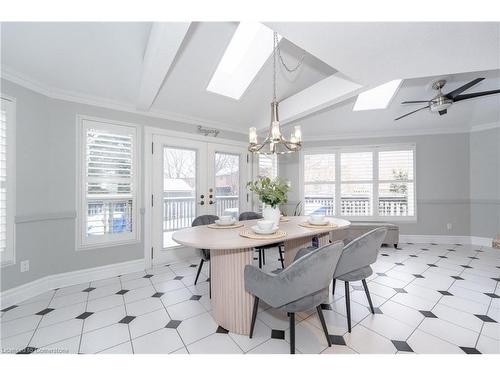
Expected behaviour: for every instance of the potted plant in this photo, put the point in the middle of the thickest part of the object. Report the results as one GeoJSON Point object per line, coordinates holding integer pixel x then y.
{"type": "Point", "coordinates": [271, 193]}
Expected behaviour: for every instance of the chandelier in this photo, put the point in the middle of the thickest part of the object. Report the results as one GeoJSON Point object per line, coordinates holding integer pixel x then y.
{"type": "Point", "coordinates": [275, 143]}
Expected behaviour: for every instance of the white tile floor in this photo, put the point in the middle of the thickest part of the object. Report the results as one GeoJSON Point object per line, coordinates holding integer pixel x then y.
{"type": "Point", "coordinates": [432, 298]}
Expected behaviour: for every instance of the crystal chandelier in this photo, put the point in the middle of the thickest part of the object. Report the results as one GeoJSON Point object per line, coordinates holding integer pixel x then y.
{"type": "Point", "coordinates": [275, 143]}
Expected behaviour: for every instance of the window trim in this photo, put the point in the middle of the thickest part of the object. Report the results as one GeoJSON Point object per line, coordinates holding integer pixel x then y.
{"type": "Point", "coordinates": [375, 148]}
{"type": "Point", "coordinates": [10, 251]}
{"type": "Point", "coordinates": [82, 242]}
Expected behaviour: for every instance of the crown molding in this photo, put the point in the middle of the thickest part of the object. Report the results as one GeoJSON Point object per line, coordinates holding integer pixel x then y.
{"type": "Point", "coordinates": [484, 127]}
{"type": "Point", "coordinates": [75, 97]}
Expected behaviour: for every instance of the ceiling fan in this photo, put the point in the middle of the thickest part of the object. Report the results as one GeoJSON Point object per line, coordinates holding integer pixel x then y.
{"type": "Point", "coordinates": [441, 102]}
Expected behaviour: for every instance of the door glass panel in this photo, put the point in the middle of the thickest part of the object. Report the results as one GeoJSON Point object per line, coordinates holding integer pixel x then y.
{"type": "Point", "coordinates": [179, 191]}
{"type": "Point", "coordinates": [227, 184]}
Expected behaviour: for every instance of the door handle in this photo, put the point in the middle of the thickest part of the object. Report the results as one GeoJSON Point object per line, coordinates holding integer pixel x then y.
{"type": "Point", "coordinates": [211, 202]}
{"type": "Point", "coordinates": [202, 203]}
{"type": "Point", "coordinates": [202, 196]}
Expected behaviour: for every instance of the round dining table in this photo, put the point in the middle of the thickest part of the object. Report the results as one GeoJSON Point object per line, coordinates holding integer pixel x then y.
{"type": "Point", "coordinates": [230, 253]}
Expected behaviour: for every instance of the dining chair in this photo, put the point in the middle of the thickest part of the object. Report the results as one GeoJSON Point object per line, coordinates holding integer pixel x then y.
{"type": "Point", "coordinates": [301, 286]}
{"type": "Point", "coordinates": [354, 264]}
{"type": "Point", "coordinates": [205, 253]}
{"type": "Point", "coordinates": [250, 215]}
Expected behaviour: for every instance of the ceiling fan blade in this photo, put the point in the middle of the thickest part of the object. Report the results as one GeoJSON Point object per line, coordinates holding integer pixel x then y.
{"type": "Point", "coordinates": [443, 112]}
{"type": "Point", "coordinates": [453, 94]}
{"type": "Point", "coordinates": [415, 101]}
{"type": "Point", "coordinates": [409, 113]}
{"type": "Point", "coordinates": [475, 95]}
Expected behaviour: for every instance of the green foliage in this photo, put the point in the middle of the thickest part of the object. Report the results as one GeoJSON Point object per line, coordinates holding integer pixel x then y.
{"type": "Point", "coordinates": [270, 192]}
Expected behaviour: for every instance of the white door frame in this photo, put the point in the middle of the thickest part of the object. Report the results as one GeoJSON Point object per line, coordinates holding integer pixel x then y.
{"type": "Point", "coordinates": [149, 132]}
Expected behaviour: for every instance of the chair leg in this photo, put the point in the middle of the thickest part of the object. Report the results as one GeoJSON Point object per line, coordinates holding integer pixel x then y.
{"type": "Point", "coordinates": [210, 279]}
{"type": "Point", "coordinates": [260, 258]}
{"type": "Point", "coordinates": [199, 270]}
{"type": "Point", "coordinates": [292, 332]}
{"type": "Point", "coordinates": [368, 295]}
{"type": "Point", "coordinates": [254, 315]}
{"type": "Point", "coordinates": [263, 257]}
{"type": "Point", "coordinates": [333, 286]}
{"type": "Point", "coordinates": [323, 324]}
{"type": "Point", "coordinates": [348, 306]}
{"type": "Point", "coordinates": [280, 250]}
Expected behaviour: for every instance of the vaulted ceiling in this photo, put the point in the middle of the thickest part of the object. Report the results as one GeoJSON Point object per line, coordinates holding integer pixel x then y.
{"type": "Point", "coordinates": [164, 69]}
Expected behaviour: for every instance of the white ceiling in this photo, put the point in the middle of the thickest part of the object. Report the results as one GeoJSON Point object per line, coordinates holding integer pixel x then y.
{"type": "Point", "coordinates": [104, 62]}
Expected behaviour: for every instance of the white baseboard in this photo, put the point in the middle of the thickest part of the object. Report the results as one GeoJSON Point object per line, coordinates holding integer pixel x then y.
{"type": "Point", "coordinates": [465, 240]}
{"type": "Point", "coordinates": [23, 292]}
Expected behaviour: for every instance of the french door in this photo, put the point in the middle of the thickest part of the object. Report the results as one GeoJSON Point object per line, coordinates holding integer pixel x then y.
{"type": "Point", "coordinates": [192, 178]}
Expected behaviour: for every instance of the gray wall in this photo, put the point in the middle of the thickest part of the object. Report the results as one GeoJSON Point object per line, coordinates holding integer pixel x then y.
{"type": "Point", "coordinates": [46, 185]}
{"type": "Point", "coordinates": [485, 182]}
{"type": "Point", "coordinates": [442, 173]}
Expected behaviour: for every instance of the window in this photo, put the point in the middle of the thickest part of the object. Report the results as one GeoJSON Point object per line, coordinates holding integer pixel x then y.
{"type": "Point", "coordinates": [109, 183]}
{"type": "Point", "coordinates": [7, 181]}
{"type": "Point", "coordinates": [268, 166]}
{"type": "Point", "coordinates": [374, 182]}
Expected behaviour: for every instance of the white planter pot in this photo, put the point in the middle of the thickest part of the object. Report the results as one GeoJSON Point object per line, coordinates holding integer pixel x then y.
{"type": "Point", "coordinates": [272, 214]}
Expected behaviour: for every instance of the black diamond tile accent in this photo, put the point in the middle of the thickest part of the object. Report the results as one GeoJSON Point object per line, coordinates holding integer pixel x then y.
{"type": "Point", "coordinates": [276, 271]}
{"type": "Point", "coordinates": [157, 295]}
{"type": "Point", "coordinates": [451, 249]}
{"type": "Point", "coordinates": [465, 266]}
{"type": "Point", "coordinates": [418, 276]}
{"type": "Point", "coordinates": [410, 243]}
{"type": "Point", "coordinates": [357, 287]}
{"type": "Point", "coordinates": [402, 346]}
{"type": "Point", "coordinates": [443, 257]}
{"type": "Point", "coordinates": [9, 308]}
{"type": "Point", "coordinates": [498, 266]}
{"type": "Point", "coordinates": [221, 330]}
{"type": "Point", "coordinates": [470, 350]}
{"type": "Point", "coordinates": [434, 244]}
{"type": "Point", "coordinates": [278, 334]}
{"type": "Point", "coordinates": [178, 277]}
{"type": "Point", "coordinates": [492, 295]}
{"type": "Point", "coordinates": [326, 306]}
{"type": "Point", "coordinates": [84, 315]}
{"type": "Point", "coordinates": [337, 340]}
{"type": "Point", "coordinates": [431, 265]}
{"type": "Point", "coordinates": [458, 244]}
{"type": "Point", "coordinates": [195, 297]}
{"type": "Point", "coordinates": [122, 292]}
{"type": "Point", "coordinates": [457, 278]}
{"type": "Point", "coordinates": [385, 255]}
{"type": "Point", "coordinates": [473, 257]}
{"type": "Point", "coordinates": [193, 265]}
{"type": "Point", "coordinates": [376, 310]}
{"type": "Point", "coordinates": [207, 280]}
{"type": "Point", "coordinates": [427, 314]}
{"type": "Point", "coordinates": [173, 324]}
{"type": "Point", "coordinates": [479, 251]}
{"type": "Point", "coordinates": [496, 278]}
{"type": "Point", "coordinates": [88, 290]}
{"type": "Point", "coordinates": [424, 249]}
{"type": "Point", "coordinates": [381, 274]}
{"type": "Point", "coordinates": [148, 276]}
{"type": "Point", "coordinates": [399, 264]}
{"type": "Point", "coordinates": [414, 256]}
{"type": "Point", "coordinates": [400, 290]}
{"type": "Point", "coordinates": [44, 311]}
{"type": "Point", "coordinates": [445, 293]}
{"type": "Point", "coordinates": [127, 319]}
{"type": "Point", "coordinates": [27, 350]}
{"type": "Point", "coordinates": [485, 318]}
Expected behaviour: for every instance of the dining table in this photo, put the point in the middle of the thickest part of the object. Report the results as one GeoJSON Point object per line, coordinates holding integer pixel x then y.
{"type": "Point", "coordinates": [230, 252]}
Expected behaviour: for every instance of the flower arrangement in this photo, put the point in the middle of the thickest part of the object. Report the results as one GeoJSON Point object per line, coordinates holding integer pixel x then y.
{"type": "Point", "coordinates": [270, 192]}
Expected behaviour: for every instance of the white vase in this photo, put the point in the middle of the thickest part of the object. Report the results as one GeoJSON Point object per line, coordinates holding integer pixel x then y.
{"type": "Point", "coordinates": [272, 214]}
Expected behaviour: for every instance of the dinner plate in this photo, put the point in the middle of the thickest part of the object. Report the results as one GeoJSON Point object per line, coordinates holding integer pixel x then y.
{"type": "Point", "coordinates": [257, 230]}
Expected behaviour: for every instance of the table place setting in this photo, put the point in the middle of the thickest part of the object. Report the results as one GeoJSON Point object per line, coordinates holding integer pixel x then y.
{"type": "Point", "coordinates": [225, 222]}
{"type": "Point", "coordinates": [264, 229]}
{"type": "Point", "coordinates": [317, 221]}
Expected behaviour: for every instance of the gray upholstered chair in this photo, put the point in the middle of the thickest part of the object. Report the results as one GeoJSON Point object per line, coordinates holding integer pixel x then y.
{"type": "Point", "coordinates": [249, 215]}
{"type": "Point", "coordinates": [205, 253]}
{"type": "Point", "coordinates": [354, 264]}
{"type": "Point", "coordinates": [299, 287]}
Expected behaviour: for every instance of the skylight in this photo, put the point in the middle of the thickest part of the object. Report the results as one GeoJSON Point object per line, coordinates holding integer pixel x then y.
{"type": "Point", "coordinates": [250, 47]}
{"type": "Point", "coordinates": [378, 97]}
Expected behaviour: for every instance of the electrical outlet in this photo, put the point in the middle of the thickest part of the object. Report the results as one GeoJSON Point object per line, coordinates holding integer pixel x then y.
{"type": "Point", "coordinates": [449, 226]}
{"type": "Point", "coordinates": [25, 265]}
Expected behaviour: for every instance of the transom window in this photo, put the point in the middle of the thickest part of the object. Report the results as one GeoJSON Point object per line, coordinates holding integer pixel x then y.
{"type": "Point", "coordinates": [108, 212]}
{"type": "Point", "coordinates": [371, 182]}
